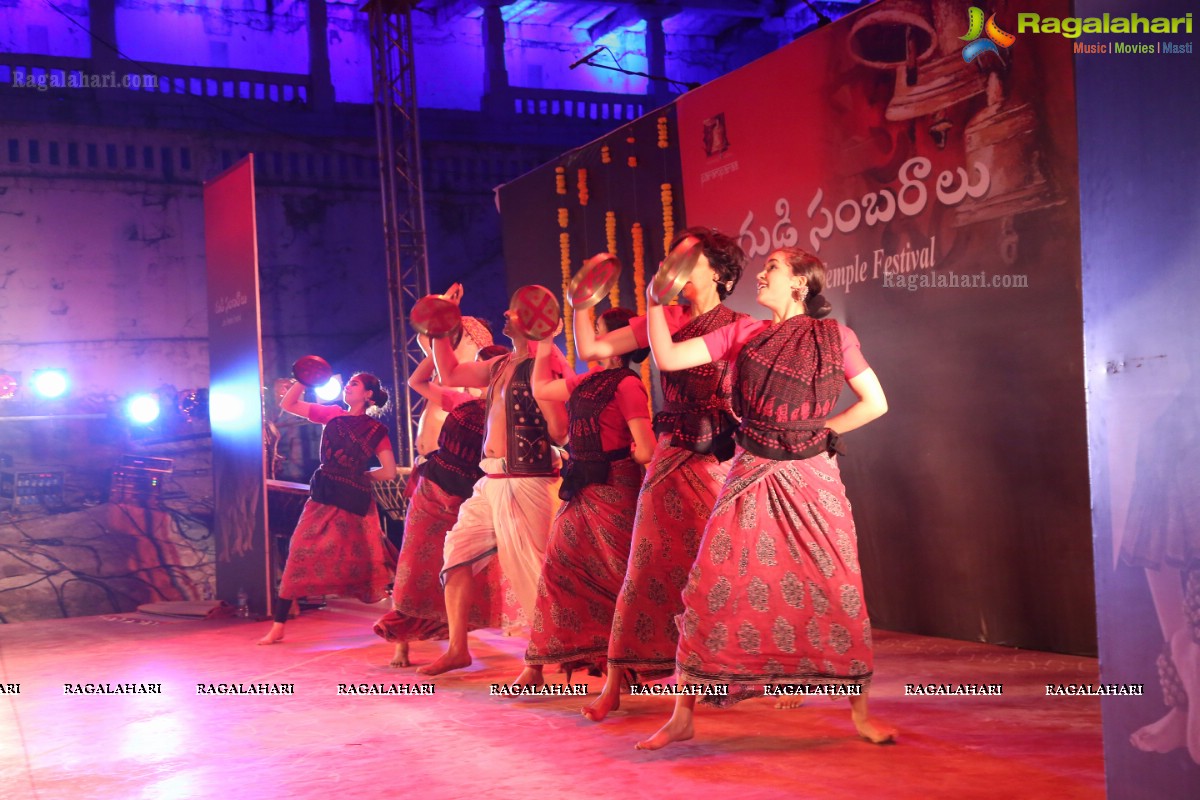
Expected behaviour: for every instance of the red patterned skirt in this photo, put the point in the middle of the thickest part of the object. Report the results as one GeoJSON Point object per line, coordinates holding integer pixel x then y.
{"type": "Point", "coordinates": [336, 552]}
{"type": "Point", "coordinates": [674, 504]}
{"type": "Point", "coordinates": [585, 563]}
{"type": "Point", "coordinates": [418, 601]}
{"type": "Point", "coordinates": [775, 596]}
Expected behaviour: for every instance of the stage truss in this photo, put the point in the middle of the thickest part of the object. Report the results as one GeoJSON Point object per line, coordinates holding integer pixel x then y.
{"type": "Point", "coordinates": [399, 141]}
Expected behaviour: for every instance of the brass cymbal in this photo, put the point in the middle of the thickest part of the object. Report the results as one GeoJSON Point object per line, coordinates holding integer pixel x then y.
{"type": "Point", "coordinates": [537, 312]}
{"type": "Point", "coordinates": [312, 370]}
{"type": "Point", "coordinates": [594, 281]}
{"type": "Point", "coordinates": [435, 316]}
{"type": "Point", "coordinates": [676, 269]}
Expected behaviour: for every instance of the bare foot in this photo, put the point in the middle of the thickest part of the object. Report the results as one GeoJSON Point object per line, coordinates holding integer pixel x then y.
{"type": "Point", "coordinates": [400, 657]}
{"type": "Point", "coordinates": [615, 682]}
{"type": "Point", "coordinates": [1163, 736]}
{"type": "Point", "coordinates": [677, 729]}
{"type": "Point", "coordinates": [274, 636]}
{"type": "Point", "coordinates": [789, 701]}
{"type": "Point", "coordinates": [874, 732]}
{"type": "Point", "coordinates": [448, 661]}
{"type": "Point", "coordinates": [598, 709]}
{"type": "Point", "coordinates": [1186, 654]}
{"type": "Point", "coordinates": [530, 676]}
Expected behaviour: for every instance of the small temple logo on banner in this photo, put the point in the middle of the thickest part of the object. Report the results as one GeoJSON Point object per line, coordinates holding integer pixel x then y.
{"type": "Point", "coordinates": [716, 140]}
{"type": "Point", "coordinates": [976, 28]}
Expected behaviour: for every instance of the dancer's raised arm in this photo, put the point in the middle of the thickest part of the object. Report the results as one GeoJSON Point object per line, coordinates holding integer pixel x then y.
{"type": "Point", "coordinates": [671, 356]}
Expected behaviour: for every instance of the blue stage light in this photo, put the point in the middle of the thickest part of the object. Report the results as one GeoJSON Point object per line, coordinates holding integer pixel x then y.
{"type": "Point", "coordinates": [142, 409]}
{"type": "Point", "coordinates": [50, 383]}
{"type": "Point", "coordinates": [330, 390]}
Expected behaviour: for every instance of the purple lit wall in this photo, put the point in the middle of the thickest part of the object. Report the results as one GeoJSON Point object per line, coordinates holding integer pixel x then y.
{"type": "Point", "coordinates": [350, 54]}
{"type": "Point", "coordinates": [37, 28]}
{"type": "Point", "coordinates": [201, 35]}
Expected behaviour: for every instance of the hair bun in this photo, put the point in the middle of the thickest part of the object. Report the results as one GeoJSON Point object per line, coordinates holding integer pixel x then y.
{"type": "Point", "coordinates": [818, 306]}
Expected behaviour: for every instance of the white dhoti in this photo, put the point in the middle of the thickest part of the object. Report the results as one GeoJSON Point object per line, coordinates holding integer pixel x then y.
{"type": "Point", "coordinates": [508, 517]}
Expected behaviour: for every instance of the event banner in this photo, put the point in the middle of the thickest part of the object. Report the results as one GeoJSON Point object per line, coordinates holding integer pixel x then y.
{"type": "Point", "coordinates": [619, 194]}
{"type": "Point", "coordinates": [235, 394]}
{"type": "Point", "coordinates": [927, 155]}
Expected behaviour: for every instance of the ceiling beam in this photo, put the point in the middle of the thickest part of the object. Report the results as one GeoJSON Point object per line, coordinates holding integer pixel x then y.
{"type": "Point", "coordinates": [629, 11]}
{"type": "Point", "coordinates": [622, 17]}
{"type": "Point", "coordinates": [444, 11]}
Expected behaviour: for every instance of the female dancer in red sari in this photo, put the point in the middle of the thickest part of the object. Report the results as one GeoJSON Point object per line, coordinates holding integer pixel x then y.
{"type": "Point", "coordinates": [775, 596]}
{"type": "Point", "coordinates": [440, 485]}
{"type": "Point", "coordinates": [608, 417]}
{"type": "Point", "coordinates": [691, 459]}
{"type": "Point", "coordinates": [337, 547]}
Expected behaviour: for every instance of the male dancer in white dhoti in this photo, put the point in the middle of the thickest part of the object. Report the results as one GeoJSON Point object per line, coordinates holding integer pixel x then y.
{"type": "Point", "coordinates": [512, 506]}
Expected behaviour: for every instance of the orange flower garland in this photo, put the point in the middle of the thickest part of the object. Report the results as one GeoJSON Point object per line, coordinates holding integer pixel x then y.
{"type": "Point", "coordinates": [632, 159]}
{"type": "Point", "coordinates": [610, 233]}
{"type": "Point", "coordinates": [562, 218]}
{"type": "Point", "coordinates": [663, 142]}
{"type": "Point", "coordinates": [564, 260]}
{"type": "Point", "coordinates": [668, 217]}
{"type": "Point", "coordinates": [560, 180]}
{"type": "Point", "coordinates": [605, 155]}
{"type": "Point", "coordinates": [639, 288]}
{"type": "Point", "coordinates": [581, 184]}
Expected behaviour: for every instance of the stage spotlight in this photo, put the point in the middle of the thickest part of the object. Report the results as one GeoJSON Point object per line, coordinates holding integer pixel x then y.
{"type": "Point", "coordinates": [50, 383]}
{"type": "Point", "coordinates": [330, 390]}
{"type": "Point", "coordinates": [143, 409]}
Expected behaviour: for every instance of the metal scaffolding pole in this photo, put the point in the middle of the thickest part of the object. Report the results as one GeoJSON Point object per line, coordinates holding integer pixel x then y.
{"type": "Point", "coordinates": [399, 140]}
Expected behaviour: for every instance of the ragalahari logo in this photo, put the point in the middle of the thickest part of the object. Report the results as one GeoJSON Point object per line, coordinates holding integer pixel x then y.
{"type": "Point", "coordinates": [995, 36]}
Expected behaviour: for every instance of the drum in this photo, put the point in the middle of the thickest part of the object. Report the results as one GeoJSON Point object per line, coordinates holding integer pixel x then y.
{"type": "Point", "coordinates": [435, 316]}
{"type": "Point", "coordinates": [312, 370]}
{"type": "Point", "coordinates": [676, 269]}
{"type": "Point", "coordinates": [536, 312]}
{"type": "Point", "coordinates": [594, 281]}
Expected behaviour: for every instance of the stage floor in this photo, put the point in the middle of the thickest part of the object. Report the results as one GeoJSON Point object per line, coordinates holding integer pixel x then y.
{"type": "Point", "coordinates": [463, 742]}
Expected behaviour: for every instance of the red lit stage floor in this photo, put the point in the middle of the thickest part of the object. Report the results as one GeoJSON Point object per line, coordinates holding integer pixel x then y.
{"type": "Point", "coordinates": [462, 742]}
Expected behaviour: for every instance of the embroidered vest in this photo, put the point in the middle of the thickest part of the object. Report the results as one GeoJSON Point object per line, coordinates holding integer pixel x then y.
{"type": "Point", "coordinates": [454, 466]}
{"type": "Point", "coordinates": [789, 377]}
{"type": "Point", "coordinates": [347, 445]}
{"type": "Point", "coordinates": [589, 462]}
{"type": "Point", "coordinates": [697, 406]}
{"type": "Point", "coordinates": [529, 445]}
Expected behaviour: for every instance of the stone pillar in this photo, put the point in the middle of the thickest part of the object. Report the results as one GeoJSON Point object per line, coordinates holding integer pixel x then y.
{"type": "Point", "coordinates": [656, 47]}
{"type": "Point", "coordinates": [495, 73]}
{"type": "Point", "coordinates": [320, 83]}
{"type": "Point", "coordinates": [102, 15]}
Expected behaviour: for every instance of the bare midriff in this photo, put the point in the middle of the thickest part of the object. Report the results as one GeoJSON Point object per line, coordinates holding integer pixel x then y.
{"type": "Point", "coordinates": [495, 437]}
{"type": "Point", "coordinates": [429, 427]}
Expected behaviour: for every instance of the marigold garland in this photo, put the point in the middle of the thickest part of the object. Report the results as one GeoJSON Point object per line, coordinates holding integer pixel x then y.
{"type": "Point", "coordinates": [581, 184]}
{"type": "Point", "coordinates": [560, 180]}
{"type": "Point", "coordinates": [564, 260]}
{"type": "Point", "coordinates": [610, 233]}
{"type": "Point", "coordinates": [563, 218]}
{"type": "Point", "coordinates": [632, 159]}
{"type": "Point", "coordinates": [663, 142]}
{"type": "Point", "coordinates": [639, 288]}
{"type": "Point", "coordinates": [668, 217]}
{"type": "Point", "coordinates": [605, 155]}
